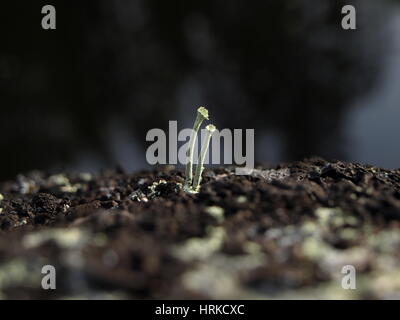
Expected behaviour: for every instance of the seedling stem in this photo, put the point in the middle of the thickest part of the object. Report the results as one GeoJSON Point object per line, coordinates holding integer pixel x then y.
{"type": "Point", "coordinates": [202, 114]}
{"type": "Point", "coordinates": [199, 168]}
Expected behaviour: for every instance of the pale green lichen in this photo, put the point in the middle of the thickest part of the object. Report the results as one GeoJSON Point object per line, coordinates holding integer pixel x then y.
{"type": "Point", "coordinates": [59, 179]}
{"type": "Point", "coordinates": [241, 199]}
{"type": "Point", "coordinates": [216, 212]}
{"type": "Point", "coordinates": [335, 217]}
{"type": "Point", "coordinates": [86, 176]}
{"type": "Point", "coordinates": [65, 238]}
{"type": "Point", "coordinates": [19, 272]}
{"type": "Point", "coordinates": [252, 248]}
{"type": "Point", "coordinates": [219, 277]}
{"type": "Point", "coordinates": [201, 248]}
{"type": "Point", "coordinates": [385, 241]}
{"type": "Point", "coordinates": [64, 183]}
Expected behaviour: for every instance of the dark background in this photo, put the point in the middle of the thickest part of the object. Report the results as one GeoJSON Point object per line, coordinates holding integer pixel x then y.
{"type": "Point", "coordinates": [83, 96]}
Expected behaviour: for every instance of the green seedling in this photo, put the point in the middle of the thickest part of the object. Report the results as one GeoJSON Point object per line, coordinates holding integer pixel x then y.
{"type": "Point", "coordinates": [202, 114]}
{"type": "Point", "coordinates": [200, 165]}
{"type": "Point", "coordinates": [193, 185]}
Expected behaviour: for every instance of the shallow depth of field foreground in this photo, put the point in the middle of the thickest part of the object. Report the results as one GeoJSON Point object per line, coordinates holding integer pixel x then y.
{"type": "Point", "coordinates": [283, 232]}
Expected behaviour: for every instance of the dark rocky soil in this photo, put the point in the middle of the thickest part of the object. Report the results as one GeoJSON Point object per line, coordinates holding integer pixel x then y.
{"type": "Point", "coordinates": [283, 232]}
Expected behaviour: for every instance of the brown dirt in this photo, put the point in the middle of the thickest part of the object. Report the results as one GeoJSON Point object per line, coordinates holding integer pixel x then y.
{"type": "Point", "coordinates": [283, 232]}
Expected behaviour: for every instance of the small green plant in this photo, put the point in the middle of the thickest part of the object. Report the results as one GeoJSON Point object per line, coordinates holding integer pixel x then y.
{"type": "Point", "coordinates": [192, 185]}
{"type": "Point", "coordinates": [202, 114]}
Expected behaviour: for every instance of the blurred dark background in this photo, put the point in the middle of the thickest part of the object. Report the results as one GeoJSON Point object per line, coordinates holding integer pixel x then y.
{"type": "Point", "coordinates": [84, 95]}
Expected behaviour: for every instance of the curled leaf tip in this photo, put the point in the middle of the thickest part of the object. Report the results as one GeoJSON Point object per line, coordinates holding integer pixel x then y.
{"type": "Point", "coordinates": [211, 128]}
{"type": "Point", "coordinates": [203, 112]}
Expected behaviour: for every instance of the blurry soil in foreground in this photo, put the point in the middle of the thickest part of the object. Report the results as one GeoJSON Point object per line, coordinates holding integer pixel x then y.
{"type": "Point", "coordinates": [280, 233]}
